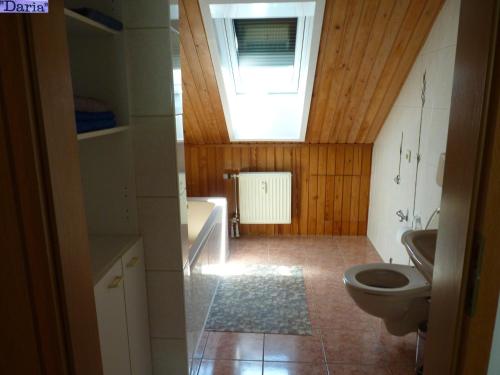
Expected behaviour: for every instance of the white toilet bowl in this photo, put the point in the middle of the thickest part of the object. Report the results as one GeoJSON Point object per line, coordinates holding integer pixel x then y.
{"type": "Point", "coordinates": [395, 293]}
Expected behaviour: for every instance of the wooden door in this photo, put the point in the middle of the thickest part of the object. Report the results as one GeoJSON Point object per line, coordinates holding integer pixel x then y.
{"type": "Point", "coordinates": [477, 332]}
{"type": "Point", "coordinates": [137, 310]}
{"type": "Point", "coordinates": [112, 321]}
{"type": "Point", "coordinates": [48, 311]}
{"type": "Point", "coordinates": [464, 157]}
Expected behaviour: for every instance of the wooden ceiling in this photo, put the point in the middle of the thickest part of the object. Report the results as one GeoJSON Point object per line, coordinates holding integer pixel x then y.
{"type": "Point", "coordinates": [367, 49]}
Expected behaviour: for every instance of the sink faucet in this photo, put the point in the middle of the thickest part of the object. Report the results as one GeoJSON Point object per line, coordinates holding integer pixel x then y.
{"type": "Point", "coordinates": [402, 216]}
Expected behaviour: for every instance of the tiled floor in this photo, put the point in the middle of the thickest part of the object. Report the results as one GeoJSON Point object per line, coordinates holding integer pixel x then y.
{"type": "Point", "coordinates": [346, 341]}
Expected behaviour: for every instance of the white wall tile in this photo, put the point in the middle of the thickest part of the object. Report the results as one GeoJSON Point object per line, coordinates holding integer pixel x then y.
{"type": "Point", "coordinates": [169, 356]}
{"type": "Point", "coordinates": [166, 304]}
{"type": "Point", "coordinates": [155, 156]}
{"type": "Point", "coordinates": [151, 13]}
{"type": "Point", "coordinates": [386, 197]}
{"type": "Point", "coordinates": [160, 227]}
{"type": "Point", "coordinates": [150, 66]}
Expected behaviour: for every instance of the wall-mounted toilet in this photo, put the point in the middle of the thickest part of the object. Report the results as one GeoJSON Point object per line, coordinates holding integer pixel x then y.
{"type": "Point", "coordinates": [398, 294]}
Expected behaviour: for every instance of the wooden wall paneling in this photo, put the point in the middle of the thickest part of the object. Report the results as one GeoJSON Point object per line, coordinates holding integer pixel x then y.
{"type": "Point", "coordinates": [329, 190]}
{"type": "Point", "coordinates": [320, 207]}
{"type": "Point", "coordinates": [193, 15]}
{"type": "Point", "coordinates": [397, 52]}
{"type": "Point", "coordinates": [212, 177]}
{"type": "Point", "coordinates": [333, 28]}
{"type": "Point", "coordinates": [330, 183]}
{"type": "Point", "coordinates": [219, 167]}
{"type": "Point", "coordinates": [413, 47]}
{"type": "Point", "coordinates": [304, 188]}
{"type": "Point", "coordinates": [371, 53]}
{"type": "Point", "coordinates": [198, 74]}
{"type": "Point", "coordinates": [313, 189]}
{"type": "Point", "coordinates": [353, 63]}
{"type": "Point", "coordinates": [364, 189]}
{"type": "Point", "coordinates": [228, 184]}
{"type": "Point", "coordinates": [203, 186]}
{"type": "Point", "coordinates": [341, 68]}
{"type": "Point", "coordinates": [194, 96]}
{"type": "Point", "coordinates": [278, 163]}
{"type": "Point", "coordinates": [346, 204]}
{"type": "Point", "coordinates": [296, 190]}
{"type": "Point", "coordinates": [366, 50]}
{"type": "Point", "coordinates": [192, 132]}
{"type": "Point", "coordinates": [390, 34]}
{"type": "Point", "coordinates": [354, 201]}
{"type": "Point", "coordinates": [287, 167]}
{"type": "Point", "coordinates": [194, 179]}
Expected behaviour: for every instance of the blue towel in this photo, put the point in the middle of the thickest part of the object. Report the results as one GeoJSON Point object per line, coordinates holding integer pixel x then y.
{"type": "Point", "coordinates": [88, 116]}
{"type": "Point", "coordinates": [102, 18]}
{"type": "Point", "coordinates": [93, 125]}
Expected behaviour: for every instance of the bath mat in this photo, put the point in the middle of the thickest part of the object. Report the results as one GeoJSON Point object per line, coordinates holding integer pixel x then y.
{"type": "Point", "coordinates": [261, 299]}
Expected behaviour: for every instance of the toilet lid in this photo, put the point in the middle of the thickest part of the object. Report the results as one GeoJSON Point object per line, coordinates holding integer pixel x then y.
{"type": "Point", "coordinates": [416, 282]}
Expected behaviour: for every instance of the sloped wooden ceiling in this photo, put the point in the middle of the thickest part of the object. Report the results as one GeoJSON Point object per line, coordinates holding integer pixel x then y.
{"type": "Point", "coordinates": [366, 52]}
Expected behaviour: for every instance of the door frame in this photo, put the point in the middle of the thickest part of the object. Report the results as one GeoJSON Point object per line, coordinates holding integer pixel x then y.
{"type": "Point", "coordinates": [50, 326]}
{"type": "Point", "coordinates": [475, 59]}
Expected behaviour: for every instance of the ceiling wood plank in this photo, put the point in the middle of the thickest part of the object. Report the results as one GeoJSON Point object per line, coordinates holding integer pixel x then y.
{"type": "Point", "coordinates": [414, 45]}
{"type": "Point", "coordinates": [405, 33]}
{"type": "Point", "coordinates": [365, 29]}
{"type": "Point", "coordinates": [341, 66]}
{"type": "Point", "coordinates": [367, 49]}
{"type": "Point", "coordinates": [193, 15]}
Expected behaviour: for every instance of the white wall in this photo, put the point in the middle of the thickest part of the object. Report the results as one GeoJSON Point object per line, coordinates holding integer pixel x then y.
{"type": "Point", "coordinates": [437, 58]}
{"type": "Point", "coordinates": [153, 48]}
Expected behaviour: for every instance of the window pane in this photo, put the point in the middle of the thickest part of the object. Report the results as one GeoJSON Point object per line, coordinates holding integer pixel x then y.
{"type": "Point", "coordinates": [265, 41]}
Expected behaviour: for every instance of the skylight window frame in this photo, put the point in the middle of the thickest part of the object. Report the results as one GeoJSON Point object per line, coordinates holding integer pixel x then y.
{"type": "Point", "coordinates": [238, 126]}
{"type": "Point", "coordinates": [231, 44]}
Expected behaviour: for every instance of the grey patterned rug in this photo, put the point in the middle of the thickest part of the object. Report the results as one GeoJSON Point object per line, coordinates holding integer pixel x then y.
{"type": "Point", "coordinates": [261, 299]}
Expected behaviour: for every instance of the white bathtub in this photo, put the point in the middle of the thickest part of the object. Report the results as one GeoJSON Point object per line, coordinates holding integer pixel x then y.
{"type": "Point", "coordinates": [208, 242]}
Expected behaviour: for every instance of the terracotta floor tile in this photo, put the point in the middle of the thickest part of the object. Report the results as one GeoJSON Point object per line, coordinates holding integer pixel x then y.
{"type": "Point", "coordinates": [355, 342]}
{"type": "Point", "coordinates": [241, 346]}
{"type": "Point", "coordinates": [288, 368]}
{"type": "Point", "coordinates": [290, 348]}
{"type": "Point", "coordinates": [222, 367]}
{"type": "Point", "coordinates": [340, 369]}
{"type": "Point", "coordinates": [352, 346]}
{"type": "Point", "coordinates": [402, 369]}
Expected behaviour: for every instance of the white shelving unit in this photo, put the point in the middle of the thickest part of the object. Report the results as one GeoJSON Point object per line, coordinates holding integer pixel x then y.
{"type": "Point", "coordinates": [80, 25]}
{"type": "Point", "coordinates": [101, 133]}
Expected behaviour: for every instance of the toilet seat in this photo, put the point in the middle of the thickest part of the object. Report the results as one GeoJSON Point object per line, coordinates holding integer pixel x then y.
{"type": "Point", "coordinates": [417, 284]}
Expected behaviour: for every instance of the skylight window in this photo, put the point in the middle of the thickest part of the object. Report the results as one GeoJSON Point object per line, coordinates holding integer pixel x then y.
{"type": "Point", "coordinates": [265, 42]}
{"type": "Point", "coordinates": [264, 56]}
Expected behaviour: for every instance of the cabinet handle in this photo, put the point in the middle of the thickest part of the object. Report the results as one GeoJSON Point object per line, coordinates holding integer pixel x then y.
{"type": "Point", "coordinates": [116, 282]}
{"type": "Point", "coordinates": [133, 262]}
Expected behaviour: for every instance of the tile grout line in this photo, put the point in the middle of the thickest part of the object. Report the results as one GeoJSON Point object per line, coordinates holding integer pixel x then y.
{"type": "Point", "coordinates": [263, 352]}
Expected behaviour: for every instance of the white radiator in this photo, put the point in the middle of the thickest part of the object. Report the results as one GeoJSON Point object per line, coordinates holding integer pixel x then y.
{"type": "Point", "coordinates": [265, 198]}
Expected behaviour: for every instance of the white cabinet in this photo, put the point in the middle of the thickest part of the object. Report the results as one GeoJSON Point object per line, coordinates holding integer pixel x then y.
{"type": "Point", "coordinates": [112, 322]}
{"type": "Point", "coordinates": [122, 315]}
{"type": "Point", "coordinates": [137, 310]}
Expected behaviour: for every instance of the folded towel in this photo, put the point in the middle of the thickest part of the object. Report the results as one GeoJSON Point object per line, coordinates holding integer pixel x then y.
{"type": "Point", "coordinates": [88, 126]}
{"type": "Point", "coordinates": [90, 105]}
{"type": "Point", "coordinates": [89, 116]}
{"type": "Point", "coordinates": [102, 18]}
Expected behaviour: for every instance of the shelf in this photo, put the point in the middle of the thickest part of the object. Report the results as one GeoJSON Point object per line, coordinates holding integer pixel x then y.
{"type": "Point", "coordinates": [101, 133]}
{"type": "Point", "coordinates": [105, 250]}
{"type": "Point", "coordinates": [84, 26]}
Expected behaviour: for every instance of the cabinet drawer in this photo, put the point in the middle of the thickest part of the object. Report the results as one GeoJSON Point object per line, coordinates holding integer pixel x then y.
{"type": "Point", "coordinates": [112, 323]}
